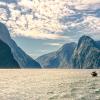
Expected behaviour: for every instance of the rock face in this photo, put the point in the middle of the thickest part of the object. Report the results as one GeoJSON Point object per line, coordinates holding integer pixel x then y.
{"type": "Point", "coordinates": [6, 57]}
{"type": "Point", "coordinates": [98, 44]}
{"type": "Point", "coordinates": [20, 56]}
{"type": "Point", "coordinates": [58, 59]}
{"type": "Point", "coordinates": [86, 54]}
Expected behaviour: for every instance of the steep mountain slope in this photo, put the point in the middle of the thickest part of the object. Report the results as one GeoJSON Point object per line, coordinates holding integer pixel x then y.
{"type": "Point", "coordinates": [86, 54]}
{"type": "Point", "coordinates": [6, 57]}
{"type": "Point", "coordinates": [58, 59]}
{"type": "Point", "coordinates": [98, 44]}
{"type": "Point", "coordinates": [20, 56]}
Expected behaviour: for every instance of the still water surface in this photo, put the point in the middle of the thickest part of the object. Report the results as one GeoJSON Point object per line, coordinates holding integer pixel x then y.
{"type": "Point", "coordinates": [49, 84]}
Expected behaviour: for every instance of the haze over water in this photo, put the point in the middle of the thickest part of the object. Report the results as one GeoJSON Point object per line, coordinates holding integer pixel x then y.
{"type": "Point", "coordinates": [49, 84]}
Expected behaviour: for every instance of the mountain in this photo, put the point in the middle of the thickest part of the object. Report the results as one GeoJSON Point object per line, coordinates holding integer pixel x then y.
{"type": "Point", "coordinates": [87, 53]}
{"type": "Point", "coordinates": [58, 59]}
{"type": "Point", "coordinates": [20, 56]}
{"type": "Point", "coordinates": [6, 57]}
{"type": "Point", "coordinates": [98, 44]}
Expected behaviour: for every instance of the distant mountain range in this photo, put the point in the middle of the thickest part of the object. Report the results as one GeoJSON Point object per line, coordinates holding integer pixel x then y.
{"type": "Point", "coordinates": [81, 55]}
{"type": "Point", "coordinates": [18, 55]}
{"type": "Point", "coordinates": [58, 59]}
{"type": "Point", "coordinates": [85, 54]}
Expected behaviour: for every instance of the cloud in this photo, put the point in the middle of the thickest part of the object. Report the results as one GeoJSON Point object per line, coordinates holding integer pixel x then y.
{"type": "Point", "coordinates": [54, 44]}
{"type": "Point", "coordinates": [52, 19]}
{"type": "Point", "coordinates": [90, 1]}
{"type": "Point", "coordinates": [39, 35]}
{"type": "Point", "coordinates": [26, 3]}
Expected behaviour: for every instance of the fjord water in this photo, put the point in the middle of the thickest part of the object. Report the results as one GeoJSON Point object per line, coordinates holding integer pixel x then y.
{"type": "Point", "coordinates": [49, 84]}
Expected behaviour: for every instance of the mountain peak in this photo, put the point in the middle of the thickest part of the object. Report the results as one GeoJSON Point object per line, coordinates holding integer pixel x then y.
{"type": "Point", "coordinates": [67, 45]}
{"type": "Point", "coordinates": [85, 37]}
{"type": "Point", "coordinates": [20, 56]}
{"type": "Point", "coordinates": [58, 59]}
{"type": "Point", "coordinates": [86, 55]}
{"type": "Point", "coordinates": [85, 40]}
{"type": "Point", "coordinates": [4, 33]}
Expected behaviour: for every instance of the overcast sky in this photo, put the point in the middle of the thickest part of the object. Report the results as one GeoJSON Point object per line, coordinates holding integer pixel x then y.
{"type": "Point", "coordinates": [42, 26]}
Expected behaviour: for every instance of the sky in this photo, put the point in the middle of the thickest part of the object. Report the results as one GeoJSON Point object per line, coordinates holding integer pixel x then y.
{"type": "Point", "coordinates": [43, 26]}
